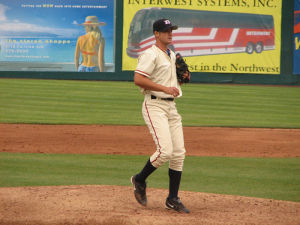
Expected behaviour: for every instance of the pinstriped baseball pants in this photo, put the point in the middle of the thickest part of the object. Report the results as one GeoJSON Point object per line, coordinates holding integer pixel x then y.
{"type": "Point", "coordinates": [165, 126]}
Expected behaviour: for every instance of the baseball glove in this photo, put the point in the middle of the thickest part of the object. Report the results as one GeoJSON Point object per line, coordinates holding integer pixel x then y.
{"type": "Point", "coordinates": [182, 70]}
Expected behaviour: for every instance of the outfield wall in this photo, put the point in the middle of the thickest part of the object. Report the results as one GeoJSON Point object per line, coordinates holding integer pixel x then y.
{"type": "Point", "coordinates": [286, 76]}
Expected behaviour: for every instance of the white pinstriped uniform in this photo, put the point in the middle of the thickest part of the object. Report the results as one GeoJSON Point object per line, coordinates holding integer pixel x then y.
{"type": "Point", "coordinates": [161, 116]}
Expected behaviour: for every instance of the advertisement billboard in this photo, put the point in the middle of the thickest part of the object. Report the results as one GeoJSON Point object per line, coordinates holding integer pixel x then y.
{"type": "Point", "coordinates": [57, 35]}
{"type": "Point", "coordinates": [213, 36]}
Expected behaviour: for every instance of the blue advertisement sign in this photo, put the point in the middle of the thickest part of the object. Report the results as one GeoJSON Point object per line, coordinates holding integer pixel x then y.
{"type": "Point", "coordinates": [297, 37]}
{"type": "Point", "coordinates": [57, 35]}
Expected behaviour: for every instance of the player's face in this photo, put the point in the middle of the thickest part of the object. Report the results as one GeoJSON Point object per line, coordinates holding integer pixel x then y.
{"type": "Point", "coordinates": [165, 37]}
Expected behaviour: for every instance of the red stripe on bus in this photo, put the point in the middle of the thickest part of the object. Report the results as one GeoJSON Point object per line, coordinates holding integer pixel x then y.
{"type": "Point", "coordinates": [223, 35]}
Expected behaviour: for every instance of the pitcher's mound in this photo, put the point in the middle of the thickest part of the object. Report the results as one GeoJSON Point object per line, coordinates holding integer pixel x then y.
{"type": "Point", "coordinates": [115, 205]}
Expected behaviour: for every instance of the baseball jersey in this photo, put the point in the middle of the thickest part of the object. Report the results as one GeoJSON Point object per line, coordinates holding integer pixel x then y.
{"type": "Point", "coordinates": [160, 68]}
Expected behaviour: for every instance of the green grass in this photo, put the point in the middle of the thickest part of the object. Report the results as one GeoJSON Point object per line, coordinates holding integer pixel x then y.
{"type": "Point", "coordinates": [119, 103]}
{"type": "Point", "coordinates": [258, 177]}
{"type": "Point", "coordinates": [69, 102]}
{"type": "Point", "coordinates": [241, 106]}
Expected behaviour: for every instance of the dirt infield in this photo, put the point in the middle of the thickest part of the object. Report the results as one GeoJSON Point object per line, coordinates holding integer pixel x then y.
{"type": "Point", "coordinates": [136, 140]}
{"type": "Point", "coordinates": [115, 205]}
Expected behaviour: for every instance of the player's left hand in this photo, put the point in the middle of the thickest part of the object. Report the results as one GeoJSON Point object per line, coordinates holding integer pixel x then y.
{"type": "Point", "coordinates": [182, 70]}
{"type": "Point", "coordinates": [187, 75]}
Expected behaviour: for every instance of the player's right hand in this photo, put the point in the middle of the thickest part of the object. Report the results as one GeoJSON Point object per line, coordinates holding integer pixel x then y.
{"type": "Point", "coordinates": [172, 91]}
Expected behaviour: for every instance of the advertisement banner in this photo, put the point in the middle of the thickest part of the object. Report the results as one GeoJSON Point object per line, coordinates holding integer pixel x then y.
{"type": "Point", "coordinates": [219, 36]}
{"type": "Point", "coordinates": [297, 37]}
{"type": "Point", "coordinates": [57, 35]}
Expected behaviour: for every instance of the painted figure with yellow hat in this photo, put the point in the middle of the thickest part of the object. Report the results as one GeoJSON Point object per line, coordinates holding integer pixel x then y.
{"type": "Point", "coordinates": [91, 47]}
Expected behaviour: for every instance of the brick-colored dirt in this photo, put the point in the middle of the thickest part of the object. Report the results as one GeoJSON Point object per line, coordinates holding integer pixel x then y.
{"type": "Point", "coordinates": [136, 140]}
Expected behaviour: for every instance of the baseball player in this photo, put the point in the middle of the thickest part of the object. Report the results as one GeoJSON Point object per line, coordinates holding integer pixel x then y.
{"type": "Point", "coordinates": [156, 76]}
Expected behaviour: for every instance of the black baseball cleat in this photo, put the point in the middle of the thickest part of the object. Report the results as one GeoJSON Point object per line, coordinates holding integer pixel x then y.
{"type": "Point", "coordinates": [176, 204]}
{"type": "Point", "coordinates": [139, 191]}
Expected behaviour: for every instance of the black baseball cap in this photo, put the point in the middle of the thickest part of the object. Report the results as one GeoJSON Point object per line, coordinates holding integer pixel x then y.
{"type": "Point", "coordinates": [162, 25]}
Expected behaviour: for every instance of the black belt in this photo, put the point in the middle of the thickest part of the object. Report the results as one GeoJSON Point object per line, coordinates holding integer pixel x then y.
{"type": "Point", "coordinates": [166, 99]}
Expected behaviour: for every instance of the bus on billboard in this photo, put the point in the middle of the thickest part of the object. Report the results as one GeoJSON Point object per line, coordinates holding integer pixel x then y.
{"type": "Point", "coordinates": [204, 32]}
